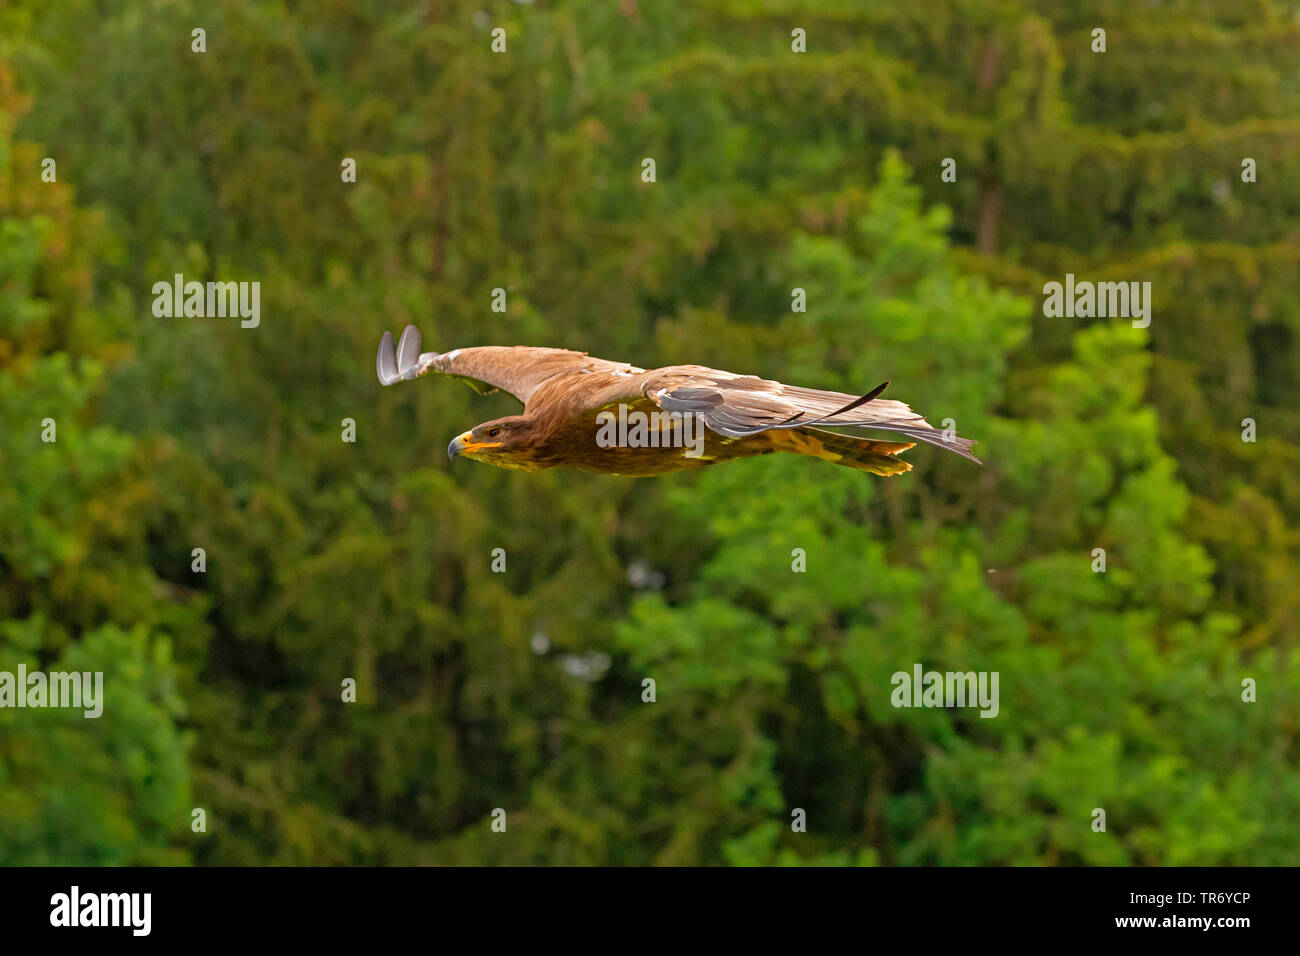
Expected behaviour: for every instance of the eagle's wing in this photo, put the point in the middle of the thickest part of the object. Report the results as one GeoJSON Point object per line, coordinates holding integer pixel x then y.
{"type": "Point", "coordinates": [739, 405]}
{"type": "Point", "coordinates": [519, 370]}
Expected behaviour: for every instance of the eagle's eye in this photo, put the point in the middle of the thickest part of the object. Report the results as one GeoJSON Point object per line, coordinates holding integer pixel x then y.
{"type": "Point", "coordinates": [494, 432]}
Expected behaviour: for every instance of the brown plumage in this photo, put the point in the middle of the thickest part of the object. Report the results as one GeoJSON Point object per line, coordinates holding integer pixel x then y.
{"type": "Point", "coordinates": [617, 419]}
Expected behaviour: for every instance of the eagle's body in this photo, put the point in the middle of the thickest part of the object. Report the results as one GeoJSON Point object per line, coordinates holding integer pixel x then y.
{"type": "Point", "coordinates": [577, 411]}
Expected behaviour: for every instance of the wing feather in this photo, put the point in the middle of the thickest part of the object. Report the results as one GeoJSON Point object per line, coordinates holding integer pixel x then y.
{"type": "Point", "coordinates": [519, 370]}
{"type": "Point", "coordinates": [741, 405]}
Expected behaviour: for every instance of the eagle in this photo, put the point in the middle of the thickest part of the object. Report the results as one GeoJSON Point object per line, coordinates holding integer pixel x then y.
{"type": "Point", "coordinates": [617, 419]}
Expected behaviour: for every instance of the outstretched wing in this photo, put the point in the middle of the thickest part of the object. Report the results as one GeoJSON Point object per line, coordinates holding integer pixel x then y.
{"type": "Point", "coordinates": [740, 405]}
{"type": "Point", "coordinates": [519, 370]}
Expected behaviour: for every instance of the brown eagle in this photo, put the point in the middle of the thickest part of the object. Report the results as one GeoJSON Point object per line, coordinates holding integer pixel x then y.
{"type": "Point", "coordinates": [617, 419]}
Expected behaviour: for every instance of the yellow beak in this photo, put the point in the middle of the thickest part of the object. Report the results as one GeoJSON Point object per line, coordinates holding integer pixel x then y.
{"type": "Point", "coordinates": [466, 443]}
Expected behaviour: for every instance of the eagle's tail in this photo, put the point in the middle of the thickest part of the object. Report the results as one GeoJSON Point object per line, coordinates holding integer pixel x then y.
{"type": "Point", "coordinates": [877, 457]}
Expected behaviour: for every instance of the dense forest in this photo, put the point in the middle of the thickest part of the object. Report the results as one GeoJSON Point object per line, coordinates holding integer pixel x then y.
{"type": "Point", "coordinates": [919, 170]}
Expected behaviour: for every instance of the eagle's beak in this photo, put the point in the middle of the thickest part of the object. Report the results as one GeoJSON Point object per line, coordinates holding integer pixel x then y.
{"type": "Point", "coordinates": [465, 442]}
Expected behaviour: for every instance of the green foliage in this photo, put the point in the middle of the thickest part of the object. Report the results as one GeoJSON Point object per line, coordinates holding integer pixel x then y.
{"type": "Point", "coordinates": [371, 560]}
{"type": "Point", "coordinates": [107, 790]}
{"type": "Point", "coordinates": [76, 588]}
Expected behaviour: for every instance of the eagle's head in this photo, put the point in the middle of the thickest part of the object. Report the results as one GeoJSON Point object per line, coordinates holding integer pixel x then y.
{"type": "Point", "coordinates": [504, 442]}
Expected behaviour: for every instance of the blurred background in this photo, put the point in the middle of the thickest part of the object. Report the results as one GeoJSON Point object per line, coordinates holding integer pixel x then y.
{"type": "Point", "coordinates": [522, 690]}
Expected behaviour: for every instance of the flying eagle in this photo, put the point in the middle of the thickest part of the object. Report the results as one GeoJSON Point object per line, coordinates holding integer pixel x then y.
{"type": "Point", "coordinates": [571, 401]}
